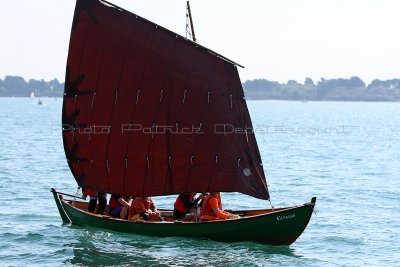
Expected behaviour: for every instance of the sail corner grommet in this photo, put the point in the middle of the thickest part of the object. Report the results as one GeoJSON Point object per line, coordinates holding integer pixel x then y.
{"type": "Point", "coordinates": [246, 172]}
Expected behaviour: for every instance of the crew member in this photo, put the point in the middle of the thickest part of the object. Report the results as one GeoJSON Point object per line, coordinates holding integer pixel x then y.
{"type": "Point", "coordinates": [143, 208]}
{"type": "Point", "coordinates": [119, 206]}
{"type": "Point", "coordinates": [184, 206]}
{"type": "Point", "coordinates": [94, 197]}
{"type": "Point", "coordinates": [212, 208]}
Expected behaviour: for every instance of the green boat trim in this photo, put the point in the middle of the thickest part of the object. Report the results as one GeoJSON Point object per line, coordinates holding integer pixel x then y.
{"type": "Point", "coordinates": [280, 226]}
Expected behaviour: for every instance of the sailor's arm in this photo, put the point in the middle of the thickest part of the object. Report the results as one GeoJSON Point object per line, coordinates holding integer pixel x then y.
{"type": "Point", "coordinates": [213, 202]}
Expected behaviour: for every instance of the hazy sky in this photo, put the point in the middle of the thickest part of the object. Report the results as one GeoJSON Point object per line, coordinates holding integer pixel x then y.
{"type": "Point", "coordinates": [274, 39]}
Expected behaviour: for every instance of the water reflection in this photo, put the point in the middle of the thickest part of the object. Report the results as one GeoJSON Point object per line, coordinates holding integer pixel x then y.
{"type": "Point", "coordinates": [94, 247]}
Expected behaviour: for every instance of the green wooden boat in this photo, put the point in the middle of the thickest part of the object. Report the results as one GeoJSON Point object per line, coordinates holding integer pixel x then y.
{"type": "Point", "coordinates": [147, 112]}
{"type": "Point", "coordinates": [280, 226]}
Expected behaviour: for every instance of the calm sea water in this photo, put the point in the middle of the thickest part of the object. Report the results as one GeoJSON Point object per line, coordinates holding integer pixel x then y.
{"type": "Point", "coordinates": [346, 154]}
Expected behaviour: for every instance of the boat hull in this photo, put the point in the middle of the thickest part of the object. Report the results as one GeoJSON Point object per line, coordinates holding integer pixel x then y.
{"type": "Point", "coordinates": [281, 227]}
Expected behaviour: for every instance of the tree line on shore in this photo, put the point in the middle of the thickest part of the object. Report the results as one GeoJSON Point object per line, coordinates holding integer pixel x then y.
{"type": "Point", "coordinates": [18, 87]}
{"type": "Point", "coordinates": [353, 89]}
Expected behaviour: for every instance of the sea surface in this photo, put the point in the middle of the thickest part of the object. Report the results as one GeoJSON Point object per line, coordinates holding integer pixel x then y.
{"type": "Point", "coordinates": [346, 154]}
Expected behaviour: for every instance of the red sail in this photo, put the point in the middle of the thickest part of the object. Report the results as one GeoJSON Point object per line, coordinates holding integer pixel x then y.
{"type": "Point", "coordinates": [147, 112]}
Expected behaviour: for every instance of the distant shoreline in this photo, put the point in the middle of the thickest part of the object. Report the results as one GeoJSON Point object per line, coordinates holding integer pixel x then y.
{"type": "Point", "coordinates": [249, 100]}
{"type": "Point", "coordinates": [342, 90]}
{"type": "Point", "coordinates": [350, 90]}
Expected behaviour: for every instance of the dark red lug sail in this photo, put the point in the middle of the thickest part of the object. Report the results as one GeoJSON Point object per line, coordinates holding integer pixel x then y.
{"type": "Point", "coordinates": [147, 112]}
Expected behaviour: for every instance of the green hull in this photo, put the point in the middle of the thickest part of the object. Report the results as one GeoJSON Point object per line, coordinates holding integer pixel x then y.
{"type": "Point", "coordinates": [281, 227]}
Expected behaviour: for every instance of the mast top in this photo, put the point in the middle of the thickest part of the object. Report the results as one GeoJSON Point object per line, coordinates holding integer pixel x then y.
{"type": "Point", "coordinates": [190, 20]}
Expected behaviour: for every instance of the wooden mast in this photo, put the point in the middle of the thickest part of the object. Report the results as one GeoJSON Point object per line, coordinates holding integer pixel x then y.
{"type": "Point", "coordinates": [191, 21]}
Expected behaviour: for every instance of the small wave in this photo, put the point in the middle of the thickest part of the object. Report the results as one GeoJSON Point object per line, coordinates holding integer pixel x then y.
{"type": "Point", "coordinates": [31, 237]}
{"type": "Point", "coordinates": [343, 241]}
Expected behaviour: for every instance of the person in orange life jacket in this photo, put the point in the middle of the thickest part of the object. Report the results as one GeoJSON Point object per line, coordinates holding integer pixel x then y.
{"type": "Point", "coordinates": [183, 206]}
{"type": "Point", "coordinates": [143, 208]}
{"type": "Point", "coordinates": [212, 208]}
{"type": "Point", "coordinates": [119, 206]}
{"type": "Point", "coordinates": [94, 197]}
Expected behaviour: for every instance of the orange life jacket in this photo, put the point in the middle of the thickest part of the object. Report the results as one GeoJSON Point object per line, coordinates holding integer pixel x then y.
{"type": "Point", "coordinates": [180, 206]}
{"type": "Point", "coordinates": [207, 211]}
